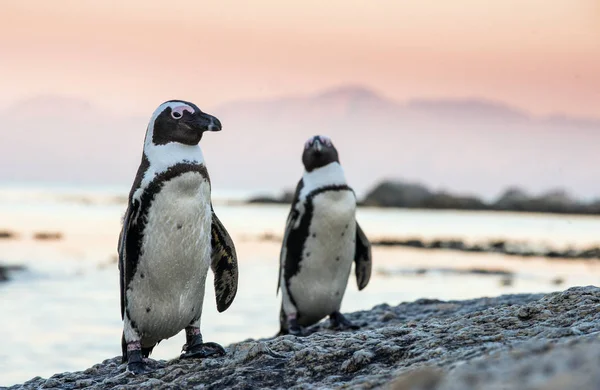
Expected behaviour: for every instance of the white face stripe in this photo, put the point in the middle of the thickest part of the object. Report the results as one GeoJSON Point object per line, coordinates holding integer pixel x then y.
{"type": "Point", "coordinates": [161, 157]}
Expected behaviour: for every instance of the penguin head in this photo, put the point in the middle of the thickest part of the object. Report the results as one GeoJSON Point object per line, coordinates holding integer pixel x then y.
{"type": "Point", "coordinates": [318, 152]}
{"type": "Point", "coordinates": [182, 122]}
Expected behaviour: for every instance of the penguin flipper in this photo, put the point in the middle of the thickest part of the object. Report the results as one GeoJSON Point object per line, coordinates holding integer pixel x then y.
{"type": "Point", "coordinates": [122, 254]}
{"type": "Point", "coordinates": [128, 253]}
{"type": "Point", "coordinates": [362, 258]}
{"type": "Point", "coordinates": [223, 264]}
{"type": "Point", "coordinates": [291, 221]}
{"type": "Point", "coordinates": [289, 225]}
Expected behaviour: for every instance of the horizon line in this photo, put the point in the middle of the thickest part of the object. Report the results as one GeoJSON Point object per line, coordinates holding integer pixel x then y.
{"type": "Point", "coordinates": [94, 104]}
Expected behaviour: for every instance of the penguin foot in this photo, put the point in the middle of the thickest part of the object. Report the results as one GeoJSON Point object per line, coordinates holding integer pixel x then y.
{"type": "Point", "coordinates": [338, 322]}
{"type": "Point", "coordinates": [203, 351]}
{"type": "Point", "coordinates": [296, 330]}
{"type": "Point", "coordinates": [196, 349]}
{"type": "Point", "coordinates": [136, 363]}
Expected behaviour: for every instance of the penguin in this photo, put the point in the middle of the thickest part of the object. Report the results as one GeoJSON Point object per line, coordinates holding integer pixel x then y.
{"type": "Point", "coordinates": [170, 237]}
{"type": "Point", "coordinates": [322, 239]}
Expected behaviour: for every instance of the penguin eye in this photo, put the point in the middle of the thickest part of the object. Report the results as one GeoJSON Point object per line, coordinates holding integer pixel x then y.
{"type": "Point", "coordinates": [178, 110]}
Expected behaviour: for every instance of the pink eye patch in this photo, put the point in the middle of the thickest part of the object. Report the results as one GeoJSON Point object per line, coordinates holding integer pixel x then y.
{"type": "Point", "coordinates": [177, 111]}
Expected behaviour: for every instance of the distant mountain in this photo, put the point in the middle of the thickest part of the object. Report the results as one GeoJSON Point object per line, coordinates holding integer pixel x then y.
{"type": "Point", "coordinates": [464, 145]}
{"type": "Point", "coordinates": [468, 109]}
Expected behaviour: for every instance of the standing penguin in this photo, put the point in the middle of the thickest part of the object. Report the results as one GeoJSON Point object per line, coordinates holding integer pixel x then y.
{"type": "Point", "coordinates": [322, 239]}
{"type": "Point", "coordinates": [170, 238]}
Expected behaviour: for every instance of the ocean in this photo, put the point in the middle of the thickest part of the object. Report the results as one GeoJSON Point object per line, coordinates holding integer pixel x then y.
{"type": "Point", "coordinates": [62, 312]}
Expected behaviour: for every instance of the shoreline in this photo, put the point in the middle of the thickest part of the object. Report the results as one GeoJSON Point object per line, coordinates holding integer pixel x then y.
{"type": "Point", "coordinates": [504, 247]}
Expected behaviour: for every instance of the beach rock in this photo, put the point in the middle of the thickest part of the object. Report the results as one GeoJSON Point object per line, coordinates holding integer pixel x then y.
{"type": "Point", "coordinates": [444, 200]}
{"type": "Point", "coordinates": [397, 194]}
{"type": "Point", "coordinates": [526, 341]}
{"type": "Point", "coordinates": [555, 201]}
{"type": "Point", "coordinates": [6, 270]}
{"type": "Point", "coordinates": [46, 236]}
{"type": "Point", "coordinates": [513, 198]}
{"type": "Point", "coordinates": [504, 247]}
{"type": "Point", "coordinates": [285, 198]}
{"type": "Point", "coordinates": [5, 234]}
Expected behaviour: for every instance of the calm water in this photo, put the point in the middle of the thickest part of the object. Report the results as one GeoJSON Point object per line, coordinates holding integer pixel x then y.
{"type": "Point", "coordinates": [62, 313]}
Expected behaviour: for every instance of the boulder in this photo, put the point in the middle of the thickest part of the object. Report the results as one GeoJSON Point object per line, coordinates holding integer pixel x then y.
{"type": "Point", "coordinates": [397, 194]}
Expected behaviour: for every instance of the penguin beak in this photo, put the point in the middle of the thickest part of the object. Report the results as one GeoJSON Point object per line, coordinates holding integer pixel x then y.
{"type": "Point", "coordinates": [317, 146]}
{"type": "Point", "coordinates": [207, 122]}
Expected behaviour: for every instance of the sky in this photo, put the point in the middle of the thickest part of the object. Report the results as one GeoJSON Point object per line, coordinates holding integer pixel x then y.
{"type": "Point", "coordinates": [129, 56]}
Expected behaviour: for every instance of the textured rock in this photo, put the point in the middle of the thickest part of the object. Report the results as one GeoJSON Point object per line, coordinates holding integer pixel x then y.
{"type": "Point", "coordinates": [513, 341]}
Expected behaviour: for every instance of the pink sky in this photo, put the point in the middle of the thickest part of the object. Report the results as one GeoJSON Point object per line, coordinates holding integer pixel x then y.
{"type": "Point", "coordinates": [541, 55]}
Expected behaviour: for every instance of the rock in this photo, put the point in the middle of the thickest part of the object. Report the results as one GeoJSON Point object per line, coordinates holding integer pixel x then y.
{"type": "Point", "coordinates": [358, 360]}
{"type": "Point", "coordinates": [444, 200]}
{"type": "Point", "coordinates": [6, 270]}
{"type": "Point", "coordinates": [513, 199]}
{"type": "Point", "coordinates": [397, 194]}
{"type": "Point", "coordinates": [47, 236]}
{"type": "Point", "coordinates": [555, 201]}
{"type": "Point", "coordinates": [269, 237]}
{"type": "Point", "coordinates": [286, 198]}
{"type": "Point", "coordinates": [571, 364]}
{"type": "Point", "coordinates": [494, 246]}
{"type": "Point", "coordinates": [412, 195]}
{"type": "Point", "coordinates": [526, 341]}
{"type": "Point", "coordinates": [5, 234]}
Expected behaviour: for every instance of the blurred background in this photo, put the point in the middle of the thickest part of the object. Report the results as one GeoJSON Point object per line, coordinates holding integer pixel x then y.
{"type": "Point", "coordinates": [468, 129]}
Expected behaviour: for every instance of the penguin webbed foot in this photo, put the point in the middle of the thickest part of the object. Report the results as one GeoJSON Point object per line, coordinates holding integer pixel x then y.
{"type": "Point", "coordinates": [196, 349]}
{"type": "Point", "coordinates": [338, 322]}
{"type": "Point", "coordinates": [296, 330]}
{"type": "Point", "coordinates": [293, 328]}
{"type": "Point", "coordinates": [136, 363]}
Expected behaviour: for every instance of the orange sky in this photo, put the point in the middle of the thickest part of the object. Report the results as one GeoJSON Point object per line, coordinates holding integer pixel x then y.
{"type": "Point", "coordinates": [541, 55]}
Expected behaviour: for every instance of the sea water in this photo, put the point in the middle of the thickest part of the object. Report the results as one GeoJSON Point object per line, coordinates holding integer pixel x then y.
{"type": "Point", "coordinates": [63, 312]}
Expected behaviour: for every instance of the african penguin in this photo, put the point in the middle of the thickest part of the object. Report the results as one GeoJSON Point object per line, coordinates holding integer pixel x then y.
{"type": "Point", "coordinates": [322, 239]}
{"type": "Point", "coordinates": [170, 238]}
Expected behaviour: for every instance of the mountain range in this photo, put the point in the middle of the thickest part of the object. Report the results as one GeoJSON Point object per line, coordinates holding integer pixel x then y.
{"type": "Point", "coordinates": [464, 145]}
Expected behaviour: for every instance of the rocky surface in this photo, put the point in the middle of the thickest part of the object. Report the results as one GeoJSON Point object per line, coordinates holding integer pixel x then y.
{"type": "Point", "coordinates": [396, 193]}
{"type": "Point", "coordinates": [509, 342]}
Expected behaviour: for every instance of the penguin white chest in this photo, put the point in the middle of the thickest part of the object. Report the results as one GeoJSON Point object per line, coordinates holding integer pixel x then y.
{"type": "Point", "coordinates": [327, 256]}
{"type": "Point", "coordinates": [167, 291]}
